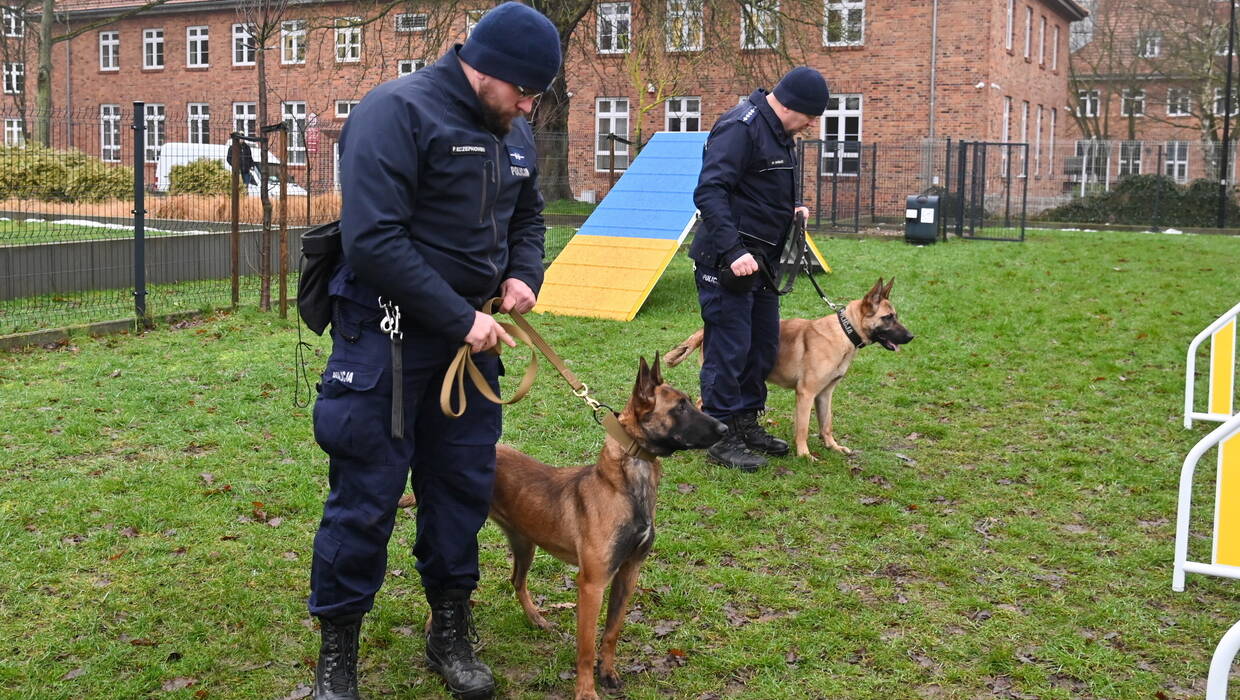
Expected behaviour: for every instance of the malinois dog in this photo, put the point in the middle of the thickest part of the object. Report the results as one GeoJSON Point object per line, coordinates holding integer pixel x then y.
{"type": "Point", "coordinates": [599, 517]}
{"type": "Point", "coordinates": [814, 355]}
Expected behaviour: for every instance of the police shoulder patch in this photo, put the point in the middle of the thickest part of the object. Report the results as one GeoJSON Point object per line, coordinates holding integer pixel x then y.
{"type": "Point", "coordinates": [749, 115]}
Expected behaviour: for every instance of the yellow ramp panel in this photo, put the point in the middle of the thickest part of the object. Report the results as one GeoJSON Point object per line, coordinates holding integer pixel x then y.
{"type": "Point", "coordinates": [1227, 504]}
{"type": "Point", "coordinates": [604, 276]}
{"type": "Point", "coordinates": [1223, 369]}
{"type": "Point", "coordinates": [813, 248]}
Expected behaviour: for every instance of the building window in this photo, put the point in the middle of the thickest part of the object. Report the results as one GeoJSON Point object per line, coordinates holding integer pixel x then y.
{"type": "Point", "coordinates": [1005, 133]}
{"type": "Point", "coordinates": [471, 20]}
{"type": "Point", "coordinates": [1129, 158]}
{"type": "Point", "coordinates": [1149, 44]}
{"type": "Point", "coordinates": [1176, 164]}
{"type": "Point", "coordinates": [199, 122]}
{"type": "Point", "coordinates": [1132, 103]}
{"type": "Point", "coordinates": [684, 114]}
{"type": "Point", "coordinates": [153, 115]}
{"type": "Point", "coordinates": [294, 114]}
{"type": "Point", "coordinates": [1219, 99]}
{"type": "Point", "coordinates": [1050, 145]}
{"type": "Point", "coordinates": [348, 40]}
{"type": "Point", "coordinates": [245, 49]}
{"type": "Point", "coordinates": [1037, 144]}
{"type": "Point", "coordinates": [14, 26]}
{"type": "Point", "coordinates": [1087, 103]}
{"type": "Point", "coordinates": [14, 132]}
{"type": "Point", "coordinates": [245, 118]}
{"type": "Point", "coordinates": [1178, 102]}
{"type": "Point", "coordinates": [110, 133]}
{"type": "Point", "coordinates": [614, 22]}
{"type": "Point", "coordinates": [109, 50]}
{"type": "Point", "coordinates": [843, 23]}
{"type": "Point", "coordinates": [1024, 138]}
{"type": "Point", "coordinates": [1042, 41]}
{"type": "Point", "coordinates": [405, 66]}
{"type": "Point", "coordinates": [759, 24]}
{"type": "Point", "coordinates": [293, 41]}
{"type": "Point", "coordinates": [841, 135]}
{"type": "Point", "coordinates": [611, 117]}
{"type": "Point", "coordinates": [411, 23]}
{"type": "Point", "coordinates": [197, 53]}
{"type": "Point", "coordinates": [1028, 32]}
{"type": "Point", "coordinates": [684, 25]}
{"type": "Point", "coordinates": [1093, 157]}
{"type": "Point", "coordinates": [1011, 25]}
{"type": "Point", "coordinates": [152, 48]}
{"type": "Point", "coordinates": [14, 78]}
{"type": "Point", "coordinates": [344, 108]}
{"type": "Point", "coordinates": [1055, 49]}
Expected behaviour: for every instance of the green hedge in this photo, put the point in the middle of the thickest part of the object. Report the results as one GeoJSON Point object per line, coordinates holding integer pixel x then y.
{"type": "Point", "coordinates": [1148, 199]}
{"type": "Point", "coordinates": [202, 176]}
{"type": "Point", "coordinates": [35, 172]}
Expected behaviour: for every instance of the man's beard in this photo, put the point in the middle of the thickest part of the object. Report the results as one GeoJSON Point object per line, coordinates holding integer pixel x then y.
{"type": "Point", "coordinates": [495, 121]}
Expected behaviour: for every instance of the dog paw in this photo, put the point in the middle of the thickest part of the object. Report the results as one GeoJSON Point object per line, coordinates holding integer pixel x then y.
{"type": "Point", "coordinates": [807, 455]}
{"type": "Point", "coordinates": [609, 679]}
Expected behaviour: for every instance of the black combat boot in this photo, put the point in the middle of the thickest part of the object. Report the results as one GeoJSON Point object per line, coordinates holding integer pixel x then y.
{"type": "Point", "coordinates": [335, 678]}
{"type": "Point", "coordinates": [756, 438]}
{"type": "Point", "coordinates": [731, 451]}
{"type": "Point", "coordinates": [450, 646]}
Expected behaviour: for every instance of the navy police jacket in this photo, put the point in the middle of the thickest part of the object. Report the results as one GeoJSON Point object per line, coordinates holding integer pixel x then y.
{"type": "Point", "coordinates": [747, 190]}
{"type": "Point", "coordinates": [438, 210]}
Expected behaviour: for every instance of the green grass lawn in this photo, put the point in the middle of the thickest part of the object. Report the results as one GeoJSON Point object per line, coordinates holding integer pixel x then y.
{"type": "Point", "coordinates": [1004, 529]}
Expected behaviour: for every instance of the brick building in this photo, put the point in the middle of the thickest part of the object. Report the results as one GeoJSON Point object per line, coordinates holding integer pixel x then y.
{"type": "Point", "coordinates": [907, 74]}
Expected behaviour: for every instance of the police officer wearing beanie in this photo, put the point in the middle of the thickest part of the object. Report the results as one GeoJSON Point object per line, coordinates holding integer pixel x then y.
{"type": "Point", "coordinates": [747, 196]}
{"type": "Point", "coordinates": [441, 211]}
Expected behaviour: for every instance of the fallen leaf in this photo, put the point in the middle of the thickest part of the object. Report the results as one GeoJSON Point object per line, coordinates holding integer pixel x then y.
{"type": "Point", "coordinates": [301, 691]}
{"type": "Point", "coordinates": [178, 683]}
{"type": "Point", "coordinates": [73, 674]}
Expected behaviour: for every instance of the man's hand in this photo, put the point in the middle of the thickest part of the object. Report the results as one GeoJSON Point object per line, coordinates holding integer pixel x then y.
{"type": "Point", "coordinates": [486, 332]}
{"type": "Point", "coordinates": [801, 213]}
{"type": "Point", "coordinates": [744, 265]}
{"type": "Point", "coordinates": [516, 296]}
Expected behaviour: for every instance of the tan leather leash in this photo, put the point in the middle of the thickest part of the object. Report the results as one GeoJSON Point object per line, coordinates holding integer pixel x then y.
{"type": "Point", "coordinates": [463, 364]}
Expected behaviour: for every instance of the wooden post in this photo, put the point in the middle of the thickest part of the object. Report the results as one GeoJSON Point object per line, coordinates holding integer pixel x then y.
{"type": "Point", "coordinates": [283, 266]}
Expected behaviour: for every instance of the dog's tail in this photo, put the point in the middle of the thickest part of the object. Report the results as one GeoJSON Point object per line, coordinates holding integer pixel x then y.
{"type": "Point", "coordinates": [681, 352]}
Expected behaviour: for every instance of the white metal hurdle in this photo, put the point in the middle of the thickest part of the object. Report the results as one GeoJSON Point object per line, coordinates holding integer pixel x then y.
{"type": "Point", "coordinates": [1220, 404]}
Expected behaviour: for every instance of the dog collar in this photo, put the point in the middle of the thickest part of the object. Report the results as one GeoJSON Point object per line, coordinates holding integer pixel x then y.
{"type": "Point", "coordinates": [849, 331]}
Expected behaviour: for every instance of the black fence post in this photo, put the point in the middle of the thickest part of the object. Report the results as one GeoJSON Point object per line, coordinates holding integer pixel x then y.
{"type": "Point", "coordinates": [818, 185]}
{"type": "Point", "coordinates": [947, 190]}
{"type": "Point", "coordinates": [1158, 192]}
{"type": "Point", "coordinates": [139, 212]}
{"type": "Point", "coordinates": [964, 155]}
{"type": "Point", "coordinates": [873, 182]}
{"type": "Point", "coordinates": [857, 190]}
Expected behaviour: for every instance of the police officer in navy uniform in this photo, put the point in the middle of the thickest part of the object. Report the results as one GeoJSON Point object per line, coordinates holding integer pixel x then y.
{"type": "Point", "coordinates": [747, 195]}
{"type": "Point", "coordinates": [441, 211]}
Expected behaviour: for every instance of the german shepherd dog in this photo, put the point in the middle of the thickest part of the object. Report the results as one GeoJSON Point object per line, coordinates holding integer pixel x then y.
{"type": "Point", "coordinates": [599, 517]}
{"type": "Point", "coordinates": [814, 355]}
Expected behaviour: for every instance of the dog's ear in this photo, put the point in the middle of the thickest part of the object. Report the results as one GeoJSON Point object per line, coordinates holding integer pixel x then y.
{"type": "Point", "coordinates": [656, 373]}
{"type": "Point", "coordinates": [643, 389]}
{"type": "Point", "coordinates": [887, 289]}
{"type": "Point", "coordinates": [872, 297]}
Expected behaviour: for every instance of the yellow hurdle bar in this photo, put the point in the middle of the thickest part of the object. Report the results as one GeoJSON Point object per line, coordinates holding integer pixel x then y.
{"type": "Point", "coordinates": [1223, 369]}
{"type": "Point", "coordinates": [1227, 504]}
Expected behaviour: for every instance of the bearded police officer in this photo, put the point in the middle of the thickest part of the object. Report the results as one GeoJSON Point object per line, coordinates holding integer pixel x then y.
{"type": "Point", "coordinates": [747, 195]}
{"type": "Point", "coordinates": [441, 211]}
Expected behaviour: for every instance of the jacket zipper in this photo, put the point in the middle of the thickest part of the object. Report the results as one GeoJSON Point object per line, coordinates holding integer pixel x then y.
{"type": "Point", "coordinates": [493, 175]}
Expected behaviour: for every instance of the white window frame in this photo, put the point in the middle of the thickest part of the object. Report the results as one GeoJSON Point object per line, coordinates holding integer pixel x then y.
{"type": "Point", "coordinates": [405, 66]}
{"type": "Point", "coordinates": [841, 149]}
{"type": "Point", "coordinates": [1055, 50]}
{"type": "Point", "coordinates": [1042, 41]}
{"type": "Point", "coordinates": [245, 118]}
{"type": "Point", "coordinates": [1010, 34]}
{"type": "Point", "coordinates": [1179, 102]}
{"type": "Point", "coordinates": [471, 20]}
{"type": "Point", "coordinates": [759, 24]}
{"type": "Point", "coordinates": [614, 26]}
{"type": "Point", "coordinates": [293, 113]}
{"type": "Point", "coordinates": [1175, 164]}
{"type": "Point", "coordinates": [1129, 158]}
{"type": "Point", "coordinates": [682, 112]}
{"type": "Point", "coordinates": [14, 78]}
{"type": "Point", "coordinates": [1087, 102]}
{"type": "Point", "coordinates": [685, 25]}
{"type": "Point", "coordinates": [602, 150]}
{"type": "Point", "coordinates": [109, 50]}
{"type": "Point", "coordinates": [197, 47]}
{"type": "Point", "coordinates": [1028, 32]}
{"type": "Point", "coordinates": [244, 49]}
{"type": "Point", "coordinates": [14, 131]}
{"type": "Point", "coordinates": [348, 40]}
{"type": "Point", "coordinates": [14, 26]}
{"type": "Point", "coordinates": [152, 49]}
{"type": "Point", "coordinates": [1024, 138]}
{"type": "Point", "coordinates": [198, 120]}
{"type": "Point", "coordinates": [1050, 146]}
{"type": "Point", "coordinates": [849, 16]}
{"type": "Point", "coordinates": [153, 117]}
{"type": "Point", "coordinates": [1219, 97]}
{"type": "Point", "coordinates": [409, 22]}
{"type": "Point", "coordinates": [1037, 143]}
{"type": "Point", "coordinates": [344, 107]}
{"type": "Point", "coordinates": [1132, 103]}
{"type": "Point", "coordinates": [1005, 133]}
{"type": "Point", "coordinates": [1149, 44]}
{"type": "Point", "coordinates": [293, 42]}
{"type": "Point", "coordinates": [110, 133]}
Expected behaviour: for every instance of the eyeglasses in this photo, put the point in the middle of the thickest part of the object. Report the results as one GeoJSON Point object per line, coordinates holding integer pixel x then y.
{"type": "Point", "coordinates": [527, 93]}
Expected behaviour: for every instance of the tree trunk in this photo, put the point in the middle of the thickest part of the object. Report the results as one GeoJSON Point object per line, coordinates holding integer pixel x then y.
{"type": "Point", "coordinates": [43, 87]}
{"type": "Point", "coordinates": [264, 246]}
{"type": "Point", "coordinates": [551, 133]}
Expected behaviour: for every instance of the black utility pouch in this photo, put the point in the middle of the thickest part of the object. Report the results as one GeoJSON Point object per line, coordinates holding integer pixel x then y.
{"type": "Point", "coordinates": [321, 251]}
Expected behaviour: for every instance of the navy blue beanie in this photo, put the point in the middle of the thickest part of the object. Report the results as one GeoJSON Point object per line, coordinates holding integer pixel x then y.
{"type": "Point", "coordinates": [517, 44]}
{"type": "Point", "coordinates": [803, 90]}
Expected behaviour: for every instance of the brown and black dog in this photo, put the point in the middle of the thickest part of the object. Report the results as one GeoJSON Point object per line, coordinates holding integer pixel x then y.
{"type": "Point", "coordinates": [599, 517]}
{"type": "Point", "coordinates": [814, 355]}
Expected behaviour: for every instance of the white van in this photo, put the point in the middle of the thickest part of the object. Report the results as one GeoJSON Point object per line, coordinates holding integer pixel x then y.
{"type": "Point", "coordinates": [174, 154]}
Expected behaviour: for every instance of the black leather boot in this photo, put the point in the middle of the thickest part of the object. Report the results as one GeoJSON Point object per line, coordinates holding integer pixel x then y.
{"type": "Point", "coordinates": [335, 678]}
{"type": "Point", "coordinates": [731, 451]}
{"type": "Point", "coordinates": [450, 646]}
{"type": "Point", "coordinates": [755, 436]}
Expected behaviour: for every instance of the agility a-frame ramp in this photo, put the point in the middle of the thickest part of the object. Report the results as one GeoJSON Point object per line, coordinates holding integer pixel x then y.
{"type": "Point", "coordinates": [609, 267]}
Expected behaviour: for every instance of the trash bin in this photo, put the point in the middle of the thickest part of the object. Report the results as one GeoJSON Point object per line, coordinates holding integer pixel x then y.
{"type": "Point", "coordinates": [921, 218]}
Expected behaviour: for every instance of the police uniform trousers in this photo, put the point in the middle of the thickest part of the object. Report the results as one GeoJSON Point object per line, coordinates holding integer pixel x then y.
{"type": "Point", "coordinates": [740, 345]}
{"type": "Point", "coordinates": [452, 462]}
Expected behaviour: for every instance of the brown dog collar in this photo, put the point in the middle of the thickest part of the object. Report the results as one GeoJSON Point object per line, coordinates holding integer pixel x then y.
{"type": "Point", "coordinates": [849, 331]}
